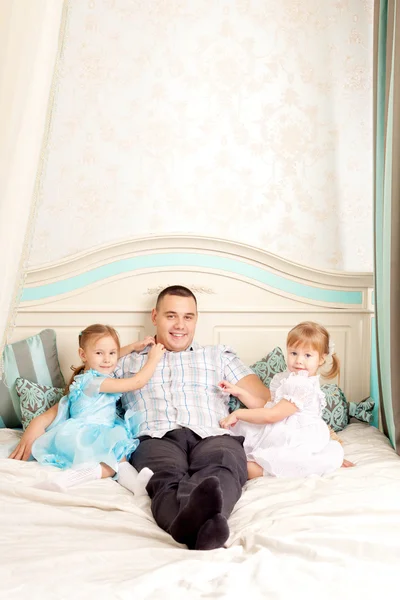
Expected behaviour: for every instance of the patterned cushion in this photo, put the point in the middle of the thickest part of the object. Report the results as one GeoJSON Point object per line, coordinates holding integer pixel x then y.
{"type": "Point", "coordinates": [35, 399]}
{"type": "Point", "coordinates": [35, 359]}
{"type": "Point", "coordinates": [338, 411]}
{"type": "Point", "coordinates": [273, 363]}
{"type": "Point", "coordinates": [362, 411]}
{"type": "Point", "coordinates": [270, 365]}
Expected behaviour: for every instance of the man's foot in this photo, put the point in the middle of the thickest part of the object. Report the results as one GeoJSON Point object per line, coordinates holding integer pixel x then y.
{"type": "Point", "coordinates": [204, 502]}
{"type": "Point", "coordinates": [213, 534]}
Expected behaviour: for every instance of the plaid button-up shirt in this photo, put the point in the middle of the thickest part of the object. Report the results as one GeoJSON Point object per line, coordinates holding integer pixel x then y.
{"type": "Point", "coordinates": [183, 392]}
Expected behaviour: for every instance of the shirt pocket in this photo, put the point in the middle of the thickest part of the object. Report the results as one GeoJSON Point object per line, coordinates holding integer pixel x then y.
{"type": "Point", "coordinates": [204, 376]}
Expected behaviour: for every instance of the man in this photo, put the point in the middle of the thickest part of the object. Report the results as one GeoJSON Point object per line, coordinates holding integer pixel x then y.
{"type": "Point", "coordinates": [199, 468]}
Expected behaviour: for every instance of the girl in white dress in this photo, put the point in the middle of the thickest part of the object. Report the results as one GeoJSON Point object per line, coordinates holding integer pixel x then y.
{"type": "Point", "coordinates": [288, 437]}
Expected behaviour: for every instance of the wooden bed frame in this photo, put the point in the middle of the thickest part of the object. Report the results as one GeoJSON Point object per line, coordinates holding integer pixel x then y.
{"type": "Point", "coordinates": [247, 298]}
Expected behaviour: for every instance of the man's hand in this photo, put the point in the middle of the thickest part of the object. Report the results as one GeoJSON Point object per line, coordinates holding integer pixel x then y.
{"type": "Point", "coordinates": [229, 421]}
{"type": "Point", "coordinates": [32, 432]}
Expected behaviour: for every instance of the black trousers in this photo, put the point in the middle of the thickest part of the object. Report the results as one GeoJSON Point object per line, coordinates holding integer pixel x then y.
{"type": "Point", "coordinates": [181, 460]}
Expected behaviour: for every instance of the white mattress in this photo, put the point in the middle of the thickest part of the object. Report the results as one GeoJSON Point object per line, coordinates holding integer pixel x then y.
{"type": "Point", "coordinates": [334, 537]}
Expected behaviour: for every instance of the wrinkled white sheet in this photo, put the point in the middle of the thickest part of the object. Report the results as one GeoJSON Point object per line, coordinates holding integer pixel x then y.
{"type": "Point", "coordinates": [329, 538]}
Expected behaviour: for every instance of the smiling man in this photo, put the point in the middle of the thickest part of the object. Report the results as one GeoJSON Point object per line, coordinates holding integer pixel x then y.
{"type": "Point", "coordinates": [199, 468]}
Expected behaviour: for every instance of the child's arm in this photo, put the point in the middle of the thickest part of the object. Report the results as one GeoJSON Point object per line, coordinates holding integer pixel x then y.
{"type": "Point", "coordinates": [260, 416]}
{"type": "Point", "coordinates": [247, 398]}
{"type": "Point", "coordinates": [137, 346]}
{"type": "Point", "coordinates": [35, 429]}
{"type": "Point", "coordinates": [140, 379]}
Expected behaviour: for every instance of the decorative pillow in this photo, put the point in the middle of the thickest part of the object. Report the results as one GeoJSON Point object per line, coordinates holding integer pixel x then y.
{"type": "Point", "coordinates": [338, 411]}
{"type": "Point", "coordinates": [35, 359]}
{"type": "Point", "coordinates": [35, 399]}
{"type": "Point", "coordinates": [270, 365]}
{"type": "Point", "coordinates": [273, 363]}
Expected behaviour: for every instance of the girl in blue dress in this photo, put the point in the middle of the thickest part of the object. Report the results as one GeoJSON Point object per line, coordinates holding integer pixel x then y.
{"type": "Point", "coordinates": [85, 436]}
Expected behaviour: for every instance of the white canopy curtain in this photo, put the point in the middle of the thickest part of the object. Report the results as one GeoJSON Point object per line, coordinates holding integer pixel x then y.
{"type": "Point", "coordinates": [29, 44]}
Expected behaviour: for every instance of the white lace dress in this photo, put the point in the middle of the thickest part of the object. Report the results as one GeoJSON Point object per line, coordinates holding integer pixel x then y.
{"type": "Point", "coordinates": [300, 445]}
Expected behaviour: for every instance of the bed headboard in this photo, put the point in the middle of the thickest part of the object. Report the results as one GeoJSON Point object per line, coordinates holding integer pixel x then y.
{"type": "Point", "coordinates": [247, 298]}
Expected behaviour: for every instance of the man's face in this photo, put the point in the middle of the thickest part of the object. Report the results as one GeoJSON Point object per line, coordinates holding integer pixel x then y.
{"type": "Point", "coordinates": [175, 320]}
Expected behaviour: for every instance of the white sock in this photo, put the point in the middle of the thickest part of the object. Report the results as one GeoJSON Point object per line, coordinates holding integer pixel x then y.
{"type": "Point", "coordinates": [72, 477]}
{"type": "Point", "coordinates": [133, 481]}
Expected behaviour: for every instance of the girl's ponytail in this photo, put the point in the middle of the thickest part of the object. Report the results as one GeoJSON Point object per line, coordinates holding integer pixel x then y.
{"type": "Point", "coordinates": [335, 368]}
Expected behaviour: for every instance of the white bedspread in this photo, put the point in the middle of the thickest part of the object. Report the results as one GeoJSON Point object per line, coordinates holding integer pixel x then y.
{"type": "Point", "coordinates": [332, 538]}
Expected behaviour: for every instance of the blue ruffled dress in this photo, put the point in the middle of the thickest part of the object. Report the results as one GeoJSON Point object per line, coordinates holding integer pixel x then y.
{"type": "Point", "coordinates": [86, 428]}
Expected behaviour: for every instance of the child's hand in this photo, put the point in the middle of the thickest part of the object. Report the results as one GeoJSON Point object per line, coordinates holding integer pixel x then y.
{"type": "Point", "coordinates": [32, 432]}
{"type": "Point", "coordinates": [229, 388]}
{"type": "Point", "coordinates": [139, 346]}
{"type": "Point", "coordinates": [156, 352]}
{"type": "Point", "coordinates": [229, 421]}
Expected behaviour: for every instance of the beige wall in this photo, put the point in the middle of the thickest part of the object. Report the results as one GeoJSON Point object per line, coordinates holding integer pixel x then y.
{"type": "Point", "coordinates": [244, 120]}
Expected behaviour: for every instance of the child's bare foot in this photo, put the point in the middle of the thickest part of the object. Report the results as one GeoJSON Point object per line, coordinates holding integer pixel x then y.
{"type": "Point", "coordinates": [254, 470]}
{"type": "Point", "coordinates": [347, 463]}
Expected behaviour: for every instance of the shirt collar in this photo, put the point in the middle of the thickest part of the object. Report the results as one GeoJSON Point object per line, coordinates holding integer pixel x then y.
{"type": "Point", "coordinates": [193, 346]}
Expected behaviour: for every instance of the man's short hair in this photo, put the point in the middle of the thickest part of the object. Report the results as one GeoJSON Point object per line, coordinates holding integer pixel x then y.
{"type": "Point", "coordinates": [175, 290]}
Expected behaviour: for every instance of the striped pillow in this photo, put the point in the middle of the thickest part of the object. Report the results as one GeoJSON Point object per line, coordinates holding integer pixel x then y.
{"type": "Point", "coordinates": [35, 359]}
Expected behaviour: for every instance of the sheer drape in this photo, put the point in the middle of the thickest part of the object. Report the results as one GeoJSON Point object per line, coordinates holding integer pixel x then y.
{"type": "Point", "coordinates": [29, 44]}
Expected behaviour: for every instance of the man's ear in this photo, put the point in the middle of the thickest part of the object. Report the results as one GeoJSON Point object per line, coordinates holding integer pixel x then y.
{"type": "Point", "coordinates": [154, 316]}
{"type": "Point", "coordinates": [82, 355]}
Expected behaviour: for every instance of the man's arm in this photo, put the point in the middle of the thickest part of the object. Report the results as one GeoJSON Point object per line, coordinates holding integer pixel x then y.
{"type": "Point", "coordinates": [254, 385]}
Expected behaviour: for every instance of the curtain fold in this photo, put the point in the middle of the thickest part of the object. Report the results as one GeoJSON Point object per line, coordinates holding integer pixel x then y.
{"type": "Point", "coordinates": [29, 45]}
{"type": "Point", "coordinates": [387, 210]}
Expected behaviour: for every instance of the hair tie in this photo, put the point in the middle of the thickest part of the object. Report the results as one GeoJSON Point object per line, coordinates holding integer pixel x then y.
{"type": "Point", "coordinates": [331, 348]}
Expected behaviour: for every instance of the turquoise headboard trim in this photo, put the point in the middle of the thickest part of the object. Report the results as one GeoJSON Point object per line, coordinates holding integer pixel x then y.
{"type": "Point", "coordinates": [176, 259]}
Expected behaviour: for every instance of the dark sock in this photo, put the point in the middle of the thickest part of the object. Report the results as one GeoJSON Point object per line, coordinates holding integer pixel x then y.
{"type": "Point", "coordinates": [204, 502]}
{"type": "Point", "coordinates": [213, 534]}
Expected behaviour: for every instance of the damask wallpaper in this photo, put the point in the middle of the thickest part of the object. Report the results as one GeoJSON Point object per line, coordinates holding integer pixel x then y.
{"type": "Point", "coordinates": [248, 120]}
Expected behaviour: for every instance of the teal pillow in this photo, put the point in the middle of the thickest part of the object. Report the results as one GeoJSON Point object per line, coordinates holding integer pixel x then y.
{"type": "Point", "coordinates": [35, 399]}
{"type": "Point", "coordinates": [273, 363]}
{"type": "Point", "coordinates": [35, 359]}
{"type": "Point", "coordinates": [338, 411]}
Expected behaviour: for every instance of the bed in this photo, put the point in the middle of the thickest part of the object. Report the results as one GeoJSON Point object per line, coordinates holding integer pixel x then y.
{"type": "Point", "coordinates": [331, 537]}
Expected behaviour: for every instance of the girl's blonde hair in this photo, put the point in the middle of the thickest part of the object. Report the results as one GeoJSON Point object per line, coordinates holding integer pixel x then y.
{"type": "Point", "coordinates": [90, 335]}
{"type": "Point", "coordinates": [316, 336]}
